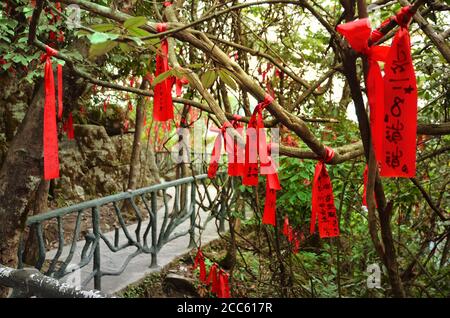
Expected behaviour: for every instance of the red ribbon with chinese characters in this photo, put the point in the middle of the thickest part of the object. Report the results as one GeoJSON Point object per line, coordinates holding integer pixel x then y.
{"type": "Point", "coordinates": [323, 200]}
{"type": "Point", "coordinates": [50, 142]}
{"type": "Point", "coordinates": [400, 105]}
{"type": "Point", "coordinates": [200, 262]}
{"type": "Point", "coordinates": [163, 105]}
{"type": "Point", "coordinates": [357, 33]}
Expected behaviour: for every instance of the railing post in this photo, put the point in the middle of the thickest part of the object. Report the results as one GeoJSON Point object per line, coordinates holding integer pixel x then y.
{"type": "Point", "coordinates": [193, 216]}
{"type": "Point", "coordinates": [96, 232]}
{"type": "Point", "coordinates": [154, 262]}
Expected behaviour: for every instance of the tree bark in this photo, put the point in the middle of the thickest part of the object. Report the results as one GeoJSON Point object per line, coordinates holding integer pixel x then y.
{"type": "Point", "coordinates": [20, 176]}
{"type": "Point", "coordinates": [136, 150]}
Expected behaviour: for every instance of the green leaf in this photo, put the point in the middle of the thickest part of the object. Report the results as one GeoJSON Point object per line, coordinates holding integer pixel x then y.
{"type": "Point", "coordinates": [104, 27]}
{"type": "Point", "coordinates": [208, 78]}
{"type": "Point", "coordinates": [135, 31]}
{"type": "Point", "coordinates": [161, 77]}
{"type": "Point", "coordinates": [100, 37]}
{"type": "Point", "coordinates": [135, 22]}
{"type": "Point", "coordinates": [125, 47]}
{"type": "Point", "coordinates": [227, 79]}
{"type": "Point", "coordinates": [101, 48]}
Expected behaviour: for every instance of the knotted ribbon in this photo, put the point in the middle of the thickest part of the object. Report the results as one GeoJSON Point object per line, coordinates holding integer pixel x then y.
{"type": "Point", "coordinates": [256, 145]}
{"type": "Point", "coordinates": [163, 104]}
{"type": "Point", "coordinates": [400, 105]}
{"type": "Point", "coordinates": [215, 155]}
{"type": "Point", "coordinates": [357, 33]}
{"type": "Point", "coordinates": [50, 142]}
{"type": "Point", "coordinates": [323, 200]}
{"type": "Point", "coordinates": [200, 262]}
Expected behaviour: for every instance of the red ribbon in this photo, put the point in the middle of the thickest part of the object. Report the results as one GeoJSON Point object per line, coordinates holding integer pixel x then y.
{"type": "Point", "coordinates": [179, 85]}
{"type": "Point", "coordinates": [224, 287]}
{"type": "Point", "coordinates": [213, 279]}
{"type": "Point", "coordinates": [287, 229]}
{"type": "Point", "coordinates": [68, 127]}
{"type": "Point", "coordinates": [163, 104]}
{"type": "Point", "coordinates": [60, 91]}
{"type": "Point", "coordinates": [323, 200]}
{"type": "Point", "coordinates": [357, 33]}
{"type": "Point", "coordinates": [236, 155]}
{"type": "Point", "coordinates": [256, 144]}
{"type": "Point", "coordinates": [215, 155]}
{"type": "Point", "coordinates": [106, 104]}
{"type": "Point", "coordinates": [272, 186]}
{"type": "Point", "coordinates": [400, 105]}
{"type": "Point", "coordinates": [50, 142]}
{"type": "Point", "coordinates": [200, 262]}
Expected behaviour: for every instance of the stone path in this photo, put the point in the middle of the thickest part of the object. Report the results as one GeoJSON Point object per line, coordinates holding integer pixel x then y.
{"type": "Point", "coordinates": [139, 265]}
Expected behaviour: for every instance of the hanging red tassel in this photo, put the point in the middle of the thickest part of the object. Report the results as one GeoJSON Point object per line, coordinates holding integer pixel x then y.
{"type": "Point", "coordinates": [200, 262]}
{"type": "Point", "coordinates": [323, 200]}
{"type": "Point", "coordinates": [163, 105]}
{"type": "Point", "coordinates": [400, 105]}
{"type": "Point", "coordinates": [357, 33]}
{"type": "Point", "coordinates": [50, 142]}
{"type": "Point", "coordinates": [68, 127]}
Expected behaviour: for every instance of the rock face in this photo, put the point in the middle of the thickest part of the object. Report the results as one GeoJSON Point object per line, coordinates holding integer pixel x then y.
{"type": "Point", "coordinates": [95, 165]}
{"type": "Point", "coordinates": [175, 285]}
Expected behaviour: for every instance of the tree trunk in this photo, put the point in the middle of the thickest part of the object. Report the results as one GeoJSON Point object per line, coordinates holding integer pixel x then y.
{"type": "Point", "coordinates": [31, 251]}
{"type": "Point", "coordinates": [20, 176]}
{"type": "Point", "coordinates": [136, 151]}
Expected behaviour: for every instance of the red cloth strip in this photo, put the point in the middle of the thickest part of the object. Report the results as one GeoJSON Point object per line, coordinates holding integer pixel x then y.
{"type": "Point", "coordinates": [400, 106]}
{"type": "Point", "coordinates": [200, 262]}
{"type": "Point", "coordinates": [256, 144]}
{"type": "Point", "coordinates": [50, 142]}
{"type": "Point", "coordinates": [235, 151]}
{"type": "Point", "coordinates": [215, 155]}
{"type": "Point", "coordinates": [323, 200]}
{"type": "Point", "coordinates": [224, 287]}
{"type": "Point", "coordinates": [68, 127]}
{"type": "Point", "coordinates": [163, 104]}
{"type": "Point", "coordinates": [60, 91]}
